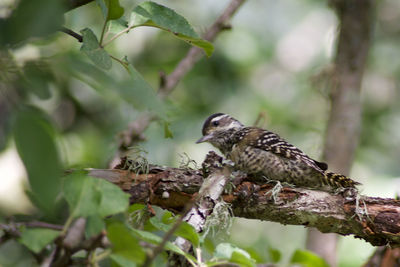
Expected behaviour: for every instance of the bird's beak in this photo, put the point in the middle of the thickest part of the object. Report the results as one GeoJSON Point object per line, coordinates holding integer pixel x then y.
{"type": "Point", "coordinates": [205, 138]}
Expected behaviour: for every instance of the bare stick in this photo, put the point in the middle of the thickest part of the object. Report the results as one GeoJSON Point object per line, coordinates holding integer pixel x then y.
{"type": "Point", "coordinates": [187, 63]}
{"type": "Point", "coordinates": [72, 4]}
{"type": "Point", "coordinates": [72, 33]}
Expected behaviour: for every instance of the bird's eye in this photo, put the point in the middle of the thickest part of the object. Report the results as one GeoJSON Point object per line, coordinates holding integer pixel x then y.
{"type": "Point", "coordinates": [215, 123]}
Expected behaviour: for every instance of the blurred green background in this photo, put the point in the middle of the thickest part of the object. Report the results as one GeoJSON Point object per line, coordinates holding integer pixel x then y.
{"type": "Point", "coordinates": [275, 60]}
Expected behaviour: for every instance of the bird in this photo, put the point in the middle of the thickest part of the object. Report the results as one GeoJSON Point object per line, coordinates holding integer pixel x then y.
{"type": "Point", "coordinates": [262, 153]}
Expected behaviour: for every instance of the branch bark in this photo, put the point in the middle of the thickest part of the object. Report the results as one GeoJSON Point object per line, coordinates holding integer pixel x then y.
{"type": "Point", "coordinates": [344, 123]}
{"type": "Point", "coordinates": [377, 220]}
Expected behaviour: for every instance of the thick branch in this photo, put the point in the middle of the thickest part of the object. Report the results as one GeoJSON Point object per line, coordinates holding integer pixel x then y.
{"type": "Point", "coordinates": [171, 188]}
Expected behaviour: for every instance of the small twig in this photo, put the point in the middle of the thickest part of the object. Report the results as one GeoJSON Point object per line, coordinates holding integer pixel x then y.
{"type": "Point", "coordinates": [187, 63]}
{"type": "Point", "coordinates": [118, 35]}
{"type": "Point", "coordinates": [38, 224]}
{"type": "Point", "coordinates": [157, 250]}
{"type": "Point", "coordinates": [72, 4]}
{"type": "Point", "coordinates": [261, 119]}
{"type": "Point", "coordinates": [72, 33]}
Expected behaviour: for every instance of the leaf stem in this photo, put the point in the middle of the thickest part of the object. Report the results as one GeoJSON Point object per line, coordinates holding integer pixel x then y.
{"type": "Point", "coordinates": [102, 33]}
{"type": "Point", "coordinates": [100, 256]}
{"type": "Point", "coordinates": [67, 224]}
{"type": "Point", "coordinates": [118, 35]}
{"type": "Point", "coordinates": [123, 63]}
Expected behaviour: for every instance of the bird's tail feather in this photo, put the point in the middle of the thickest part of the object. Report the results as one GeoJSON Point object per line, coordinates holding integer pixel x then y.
{"type": "Point", "coordinates": [339, 180]}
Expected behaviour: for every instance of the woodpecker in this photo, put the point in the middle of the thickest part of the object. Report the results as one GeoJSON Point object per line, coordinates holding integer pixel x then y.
{"type": "Point", "coordinates": [259, 152]}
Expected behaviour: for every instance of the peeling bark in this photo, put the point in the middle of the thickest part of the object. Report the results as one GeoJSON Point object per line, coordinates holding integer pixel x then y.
{"type": "Point", "coordinates": [377, 220]}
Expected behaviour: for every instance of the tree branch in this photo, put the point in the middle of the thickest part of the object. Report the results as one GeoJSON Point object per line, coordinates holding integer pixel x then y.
{"type": "Point", "coordinates": [77, 36]}
{"type": "Point", "coordinates": [378, 222]}
{"type": "Point", "coordinates": [343, 129]}
{"type": "Point", "coordinates": [186, 64]}
{"type": "Point", "coordinates": [72, 4]}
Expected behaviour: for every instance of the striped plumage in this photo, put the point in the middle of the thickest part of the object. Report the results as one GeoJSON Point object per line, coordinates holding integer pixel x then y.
{"type": "Point", "coordinates": [260, 152]}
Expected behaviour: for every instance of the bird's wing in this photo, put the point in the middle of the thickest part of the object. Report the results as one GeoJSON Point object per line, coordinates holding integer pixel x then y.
{"type": "Point", "coordinates": [272, 142]}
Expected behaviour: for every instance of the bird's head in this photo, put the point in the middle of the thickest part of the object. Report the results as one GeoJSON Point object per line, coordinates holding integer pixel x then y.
{"type": "Point", "coordinates": [218, 129]}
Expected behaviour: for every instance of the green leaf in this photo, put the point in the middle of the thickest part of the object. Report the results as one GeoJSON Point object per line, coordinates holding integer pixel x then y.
{"type": "Point", "coordinates": [308, 259]}
{"type": "Point", "coordinates": [37, 18]}
{"type": "Point", "coordinates": [103, 7]}
{"type": "Point", "coordinates": [94, 225]}
{"type": "Point", "coordinates": [133, 89]}
{"type": "Point", "coordinates": [155, 239]}
{"type": "Point", "coordinates": [88, 196]}
{"type": "Point", "coordinates": [274, 254]}
{"type": "Point", "coordinates": [125, 244]}
{"type": "Point", "coordinates": [122, 261]}
{"type": "Point", "coordinates": [185, 230]}
{"type": "Point", "coordinates": [115, 26]}
{"type": "Point", "coordinates": [34, 138]}
{"type": "Point", "coordinates": [111, 9]}
{"type": "Point", "coordinates": [141, 94]}
{"type": "Point", "coordinates": [113, 199]}
{"type": "Point", "coordinates": [234, 254]}
{"type": "Point", "coordinates": [37, 239]}
{"type": "Point", "coordinates": [168, 217]}
{"type": "Point", "coordinates": [152, 14]}
{"type": "Point", "coordinates": [13, 254]}
{"type": "Point", "coordinates": [135, 207]}
{"type": "Point", "coordinates": [36, 78]}
{"type": "Point", "coordinates": [167, 130]}
{"type": "Point", "coordinates": [209, 245]}
{"type": "Point", "coordinates": [155, 15]}
{"type": "Point", "coordinates": [242, 259]}
{"type": "Point", "coordinates": [115, 11]}
{"type": "Point", "coordinates": [92, 49]}
{"type": "Point", "coordinates": [82, 197]}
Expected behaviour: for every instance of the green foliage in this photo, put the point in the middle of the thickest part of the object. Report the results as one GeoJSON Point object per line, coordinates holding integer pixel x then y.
{"type": "Point", "coordinates": [125, 243]}
{"type": "Point", "coordinates": [37, 18]}
{"type": "Point", "coordinates": [185, 230]}
{"type": "Point", "coordinates": [94, 225]}
{"type": "Point", "coordinates": [308, 259]}
{"type": "Point", "coordinates": [112, 9]}
{"type": "Point", "coordinates": [37, 239]}
{"type": "Point", "coordinates": [94, 51]}
{"type": "Point", "coordinates": [274, 254]}
{"type": "Point", "coordinates": [34, 138]}
{"type": "Point", "coordinates": [87, 196]}
{"type": "Point", "coordinates": [155, 15]}
{"type": "Point", "coordinates": [36, 77]}
{"type": "Point", "coordinates": [233, 254]}
{"type": "Point", "coordinates": [87, 101]}
{"type": "Point", "coordinates": [13, 254]}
